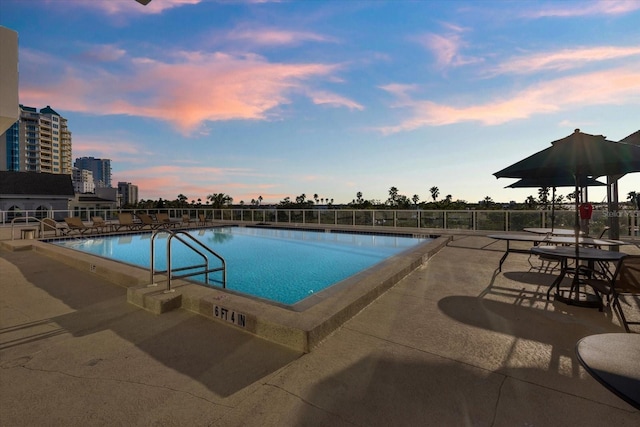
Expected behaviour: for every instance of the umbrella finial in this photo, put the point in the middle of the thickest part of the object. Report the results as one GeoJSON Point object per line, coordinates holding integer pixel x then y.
{"type": "Point", "coordinates": [576, 131]}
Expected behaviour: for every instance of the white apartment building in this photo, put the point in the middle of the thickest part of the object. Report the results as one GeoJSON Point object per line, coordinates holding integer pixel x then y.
{"type": "Point", "coordinates": [40, 141]}
{"type": "Point", "coordinates": [83, 181]}
{"type": "Point", "coordinates": [129, 193]}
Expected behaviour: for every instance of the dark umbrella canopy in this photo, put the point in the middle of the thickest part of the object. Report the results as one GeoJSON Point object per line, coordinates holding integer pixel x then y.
{"type": "Point", "coordinates": [555, 181]}
{"type": "Point", "coordinates": [580, 155]}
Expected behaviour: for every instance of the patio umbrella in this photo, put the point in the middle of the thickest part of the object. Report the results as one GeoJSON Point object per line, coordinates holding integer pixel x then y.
{"type": "Point", "coordinates": [579, 155]}
{"type": "Point", "coordinates": [557, 181]}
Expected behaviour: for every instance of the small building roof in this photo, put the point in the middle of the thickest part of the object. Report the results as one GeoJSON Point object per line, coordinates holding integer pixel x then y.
{"type": "Point", "coordinates": [48, 110]}
{"type": "Point", "coordinates": [35, 183]}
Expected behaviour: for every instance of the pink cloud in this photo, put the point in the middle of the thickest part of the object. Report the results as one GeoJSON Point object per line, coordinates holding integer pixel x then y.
{"type": "Point", "coordinates": [335, 100]}
{"type": "Point", "coordinates": [600, 7]}
{"type": "Point", "coordinates": [104, 53]}
{"type": "Point", "coordinates": [609, 87]}
{"type": "Point", "coordinates": [116, 150]}
{"type": "Point", "coordinates": [447, 48]}
{"type": "Point", "coordinates": [275, 37]}
{"type": "Point", "coordinates": [193, 88]}
{"type": "Point", "coordinates": [167, 181]}
{"type": "Point", "coordinates": [563, 59]}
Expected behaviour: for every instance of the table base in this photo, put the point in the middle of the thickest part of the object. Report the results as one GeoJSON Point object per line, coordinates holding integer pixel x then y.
{"type": "Point", "coordinates": [579, 299]}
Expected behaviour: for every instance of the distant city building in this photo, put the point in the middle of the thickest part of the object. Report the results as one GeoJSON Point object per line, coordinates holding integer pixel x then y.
{"type": "Point", "coordinates": [39, 141]}
{"type": "Point", "coordinates": [129, 193]}
{"type": "Point", "coordinates": [101, 169]}
{"type": "Point", "coordinates": [83, 181]}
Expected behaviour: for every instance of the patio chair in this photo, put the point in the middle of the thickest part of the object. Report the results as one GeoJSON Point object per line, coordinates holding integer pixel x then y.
{"type": "Point", "coordinates": [48, 225]}
{"type": "Point", "coordinates": [75, 224]}
{"type": "Point", "coordinates": [623, 290]}
{"type": "Point", "coordinates": [203, 220]}
{"type": "Point", "coordinates": [100, 224]}
{"type": "Point", "coordinates": [165, 219]}
{"type": "Point", "coordinates": [148, 221]}
{"type": "Point", "coordinates": [186, 220]}
{"type": "Point", "coordinates": [125, 220]}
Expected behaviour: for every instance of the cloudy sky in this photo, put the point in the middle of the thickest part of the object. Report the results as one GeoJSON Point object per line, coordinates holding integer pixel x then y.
{"type": "Point", "coordinates": [280, 98]}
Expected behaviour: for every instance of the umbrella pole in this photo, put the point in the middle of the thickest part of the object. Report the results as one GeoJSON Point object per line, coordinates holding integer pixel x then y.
{"type": "Point", "coordinates": [553, 208]}
{"type": "Point", "coordinates": [576, 276]}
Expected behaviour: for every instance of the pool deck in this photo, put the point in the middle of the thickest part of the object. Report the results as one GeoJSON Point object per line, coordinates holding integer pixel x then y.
{"type": "Point", "coordinates": [453, 343]}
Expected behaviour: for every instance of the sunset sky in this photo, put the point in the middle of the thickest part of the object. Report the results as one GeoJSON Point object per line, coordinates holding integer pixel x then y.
{"type": "Point", "coordinates": [280, 98]}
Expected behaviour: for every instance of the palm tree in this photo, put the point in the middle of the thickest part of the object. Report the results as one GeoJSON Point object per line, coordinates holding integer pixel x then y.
{"type": "Point", "coordinates": [182, 199]}
{"type": "Point", "coordinates": [543, 197]}
{"type": "Point", "coordinates": [531, 202]}
{"type": "Point", "coordinates": [435, 192]}
{"type": "Point", "coordinates": [219, 200]}
{"type": "Point", "coordinates": [634, 198]}
{"type": "Point", "coordinates": [393, 196]}
{"type": "Point", "coordinates": [415, 199]}
{"type": "Point", "coordinates": [259, 200]}
{"type": "Point", "coordinates": [315, 197]}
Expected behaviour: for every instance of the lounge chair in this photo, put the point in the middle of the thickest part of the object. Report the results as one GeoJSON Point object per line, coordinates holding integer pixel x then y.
{"type": "Point", "coordinates": [100, 224]}
{"type": "Point", "coordinates": [623, 291]}
{"type": "Point", "coordinates": [75, 224]}
{"type": "Point", "coordinates": [165, 219]}
{"type": "Point", "coordinates": [125, 220]}
{"type": "Point", "coordinates": [48, 225]}
{"type": "Point", "coordinates": [148, 221]}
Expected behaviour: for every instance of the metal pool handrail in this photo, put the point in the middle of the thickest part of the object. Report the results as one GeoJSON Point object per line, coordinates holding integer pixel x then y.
{"type": "Point", "coordinates": [26, 218]}
{"type": "Point", "coordinates": [206, 270]}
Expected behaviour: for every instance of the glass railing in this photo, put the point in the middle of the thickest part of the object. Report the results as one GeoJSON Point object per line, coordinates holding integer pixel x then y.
{"type": "Point", "coordinates": [432, 220]}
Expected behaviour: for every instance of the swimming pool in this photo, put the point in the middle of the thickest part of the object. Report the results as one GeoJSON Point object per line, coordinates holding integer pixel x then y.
{"type": "Point", "coordinates": [281, 265]}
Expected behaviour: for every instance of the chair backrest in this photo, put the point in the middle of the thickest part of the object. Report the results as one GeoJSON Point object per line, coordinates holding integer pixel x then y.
{"type": "Point", "coordinates": [186, 218]}
{"type": "Point", "coordinates": [49, 224]}
{"type": "Point", "coordinates": [125, 218]}
{"type": "Point", "coordinates": [629, 276]}
{"type": "Point", "coordinates": [603, 231]}
{"type": "Point", "coordinates": [146, 219]}
{"type": "Point", "coordinates": [97, 220]}
{"type": "Point", "coordinates": [74, 222]}
{"type": "Point", "coordinates": [163, 217]}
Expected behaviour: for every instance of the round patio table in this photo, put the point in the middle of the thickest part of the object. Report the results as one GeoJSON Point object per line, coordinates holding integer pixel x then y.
{"type": "Point", "coordinates": [564, 253]}
{"type": "Point", "coordinates": [613, 360]}
{"type": "Point", "coordinates": [554, 231]}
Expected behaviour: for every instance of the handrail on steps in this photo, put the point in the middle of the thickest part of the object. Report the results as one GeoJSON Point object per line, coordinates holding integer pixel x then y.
{"type": "Point", "coordinates": [206, 271]}
{"type": "Point", "coordinates": [27, 218]}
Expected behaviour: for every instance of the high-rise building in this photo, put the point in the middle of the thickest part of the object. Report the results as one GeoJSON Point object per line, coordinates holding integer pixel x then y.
{"type": "Point", "coordinates": [37, 142]}
{"type": "Point", "coordinates": [101, 169]}
{"type": "Point", "coordinates": [83, 181]}
{"type": "Point", "coordinates": [129, 193]}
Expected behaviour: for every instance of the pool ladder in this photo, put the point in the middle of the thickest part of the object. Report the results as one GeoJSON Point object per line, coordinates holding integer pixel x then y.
{"type": "Point", "coordinates": [178, 235]}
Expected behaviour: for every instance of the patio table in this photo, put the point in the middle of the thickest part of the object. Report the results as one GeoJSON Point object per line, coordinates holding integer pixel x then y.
{"type": "Point", "coordinates": [553, 240]}
{"type": "Point", "coordinates": [565, 253]}
{"type": "Point", "coordinates": [552, 231]}
{"type": "Point", "coordinates": [613, 360]}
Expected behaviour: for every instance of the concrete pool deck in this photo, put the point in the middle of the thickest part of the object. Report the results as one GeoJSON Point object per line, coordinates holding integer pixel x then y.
{"type": "Point", "coordinates": [453, 343]}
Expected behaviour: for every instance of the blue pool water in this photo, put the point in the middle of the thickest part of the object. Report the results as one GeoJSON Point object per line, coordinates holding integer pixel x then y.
{"type": "Point", "coordinates": [284, 266]}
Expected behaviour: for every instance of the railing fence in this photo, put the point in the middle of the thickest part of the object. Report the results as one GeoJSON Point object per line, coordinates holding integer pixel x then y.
{"type": "Point", "coordinates": [472, 220]}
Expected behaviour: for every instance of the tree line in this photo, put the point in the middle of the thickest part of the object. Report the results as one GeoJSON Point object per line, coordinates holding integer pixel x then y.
{"type": "Point", "coordinates": [396, 200]}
